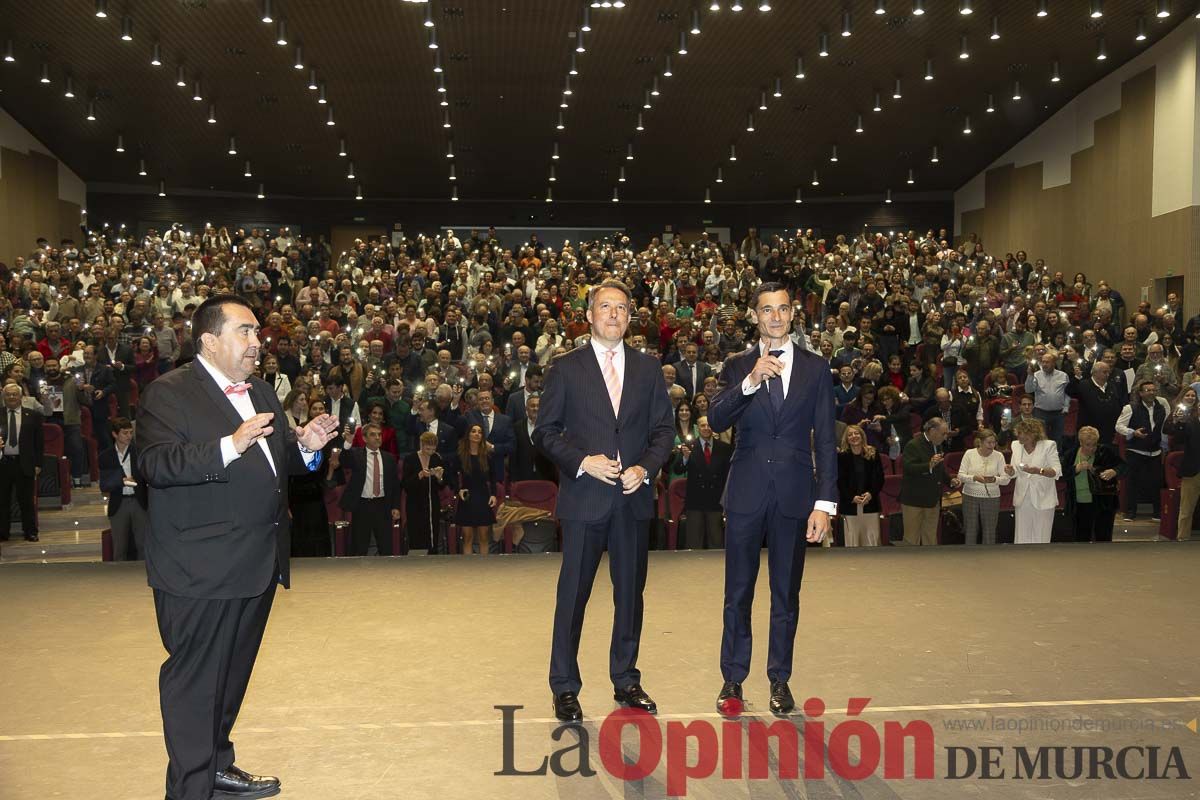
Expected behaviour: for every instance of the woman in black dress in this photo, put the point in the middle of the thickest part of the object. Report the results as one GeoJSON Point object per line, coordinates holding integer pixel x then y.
{"type": "Point", "coordinates": [475, 486]}
{"type": "Point", "coordinates": [422, 478]}
{"type": "Point", "coordinates": [306, 500]}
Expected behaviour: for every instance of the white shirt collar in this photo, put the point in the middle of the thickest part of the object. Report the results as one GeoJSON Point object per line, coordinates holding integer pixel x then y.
{"type": "Point", "coordinates": [600, 349]}
{"type": "Point", "coordinates": [218, 376]}
{"type": "Point", "coordinates": [787, 347]}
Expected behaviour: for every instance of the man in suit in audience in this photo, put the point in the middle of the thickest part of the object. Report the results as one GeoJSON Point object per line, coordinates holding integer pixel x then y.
{"type": "Point", "coordinates": [515, 407]}
{"type": "Point", "coordinates": [21, 462]}
{"type": "Point", "coordinates": [924, 478]}
{"type": "Point", "coordinates": [1100, 400]}
{"type": "Point", "coordinates": [527, 463]}
{"type": "Point", "coordinates": [690, 371]}
{"type": "Point", "coordinates": [340, 405]}
{"type": "Point", "coordinates": [118, 356]}
{"type": "Point", "coordinates": [706, 464]}
{"type": "Point", "coordinates": [121, 479]}
{"type": "Point", "coordinates": [97, 385]}
{"type": "Point", "coordinates": [497, 429]}
{"type": "Point", "coordinates": [426, 419]}
{"type": "Point", "coordinates": [605, 421]}
{"type": "Point", "coordinates": [372, 493]}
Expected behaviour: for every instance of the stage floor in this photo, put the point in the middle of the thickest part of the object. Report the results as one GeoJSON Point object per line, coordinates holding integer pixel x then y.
{"type": "Point", "coordinates": [379, 678]}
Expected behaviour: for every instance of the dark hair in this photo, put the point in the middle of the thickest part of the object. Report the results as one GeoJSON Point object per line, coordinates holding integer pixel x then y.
{"type": "Point", "coordinates": [609, 284]}
{"type": "Point", "coordinates": [769, 286]}
{"type": "Point", "coordinates": [119, 424]}
{"type": "Point", "coordinates": [210, 316]}
{"type": "Point", "coordinates": [480, 462]}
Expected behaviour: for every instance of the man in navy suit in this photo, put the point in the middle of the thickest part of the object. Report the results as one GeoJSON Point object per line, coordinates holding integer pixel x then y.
{"type": "Point", "coordinates": [605, 421]}
{"type": "Point", "coordinates": [781, 401]}
{"type": "Point", "coordinates": [690, 371]}
{"type": "Point", "coordinates": [497, 429]}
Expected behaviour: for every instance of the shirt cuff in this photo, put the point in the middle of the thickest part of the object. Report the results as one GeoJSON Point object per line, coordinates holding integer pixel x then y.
{"type": "Point", "coordinates": [229, 453]}
{"type": "Point", "coordinates": [827, 506]}
{"type": "Point", "coordinates": [747, 388]}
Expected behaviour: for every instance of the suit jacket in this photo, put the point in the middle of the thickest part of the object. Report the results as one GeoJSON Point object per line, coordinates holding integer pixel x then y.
{"type": "Point", "coordinates": [447, 434]}
{"type": "Point", "coordinates": [576, 420]}
{"type": "Point", "coordinates": [920, 487]}
{"type": "Point", "coordinates": [527, 463]}
{"type": "Point", "coordinates": [102, 380]}
{"type": "Point", "coordinates": [780, 451]}
{"type": "Point", "coordinates": [1096, 408]}
{"type": "Point", "coordinates": [683, 376]}
{"type": "Point", "coordinates": [31, 441]}
{"type": "Point", "coordinates": [355, 459]}
{"type": "Point", "coordinates": [514, 409]}
{"type": "Point", "coordinates": [501, 437]}
{"type": "Point", "coordinates": [1107, 457]}
{"type": "Point", "coordinates": [122, 378]}
{"type": "Point", "coordinates": [216, 532]}
{"type": "Point", "coordinates": [112, 478]}
{"type": "Point", "coordinates": [1038, 491]}
{"type": "Point", "coordinates": [705, 481]}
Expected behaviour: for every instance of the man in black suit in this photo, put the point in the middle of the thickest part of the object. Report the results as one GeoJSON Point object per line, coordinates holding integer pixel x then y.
{"type": "Point", "coordinates": [527, 463]}
{"type": "Point", "coordinates": [1100, 400]}
{"type": "Point", "coordinates": [372, 493]}
{"type": "Point", "coordinates": [706, 464]}
{"type": "Point", "coordinates": [427, 419]}
{"type": "Point", "coordinates": [215, 448]}
{"type": "Point", "coordinates": [96, 384]}
{"type": "Point", "coordinates": [690, 371]}
{"type": "Point", "coordinates": [118, 356]}
{"type": "Point", "coordinates": [20, 464]}
{"type": "Point", "coordinates": [515, 407]}
{"type": "Point", "coordinates": [605, 421]}
{"type": "Point", "coordinates": [122, 481]}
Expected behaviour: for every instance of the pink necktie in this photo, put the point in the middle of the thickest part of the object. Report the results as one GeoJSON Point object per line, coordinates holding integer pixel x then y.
{"type": "Point", "coordinates": [237, 388]}
{"type": "Point", "coordinates": [612, 381]}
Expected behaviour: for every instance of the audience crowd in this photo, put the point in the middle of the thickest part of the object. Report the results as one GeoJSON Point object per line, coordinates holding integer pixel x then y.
{"type": "Point", "coordinates": [977, 378]}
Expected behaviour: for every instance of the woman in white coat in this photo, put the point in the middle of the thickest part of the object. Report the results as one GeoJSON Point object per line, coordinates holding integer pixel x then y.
{"type": "Point", "coordinates": [1034, 464]}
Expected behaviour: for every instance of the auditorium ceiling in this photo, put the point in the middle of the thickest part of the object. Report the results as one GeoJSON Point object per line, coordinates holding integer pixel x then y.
{"type": "Point", "coordinates": [505, 65]}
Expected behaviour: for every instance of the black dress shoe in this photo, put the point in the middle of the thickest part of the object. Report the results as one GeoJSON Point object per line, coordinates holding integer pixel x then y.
{"type": "Point", "coordinates": [729, 701]}
{"type": "Point", "coordinates": [633, 696]}
{"type": "Point", "coordinates": [233, 782]}
{"type": "Point", "coordinates": [566, 707]}
{"type": "Point", "coordinates": [782, 703]}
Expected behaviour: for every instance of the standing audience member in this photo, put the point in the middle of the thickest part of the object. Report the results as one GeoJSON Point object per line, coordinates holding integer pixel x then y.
{"type": "Point", "coordinates": [981, 474]}
{"type": "Point", "coordinates": [705, 462]}
{"type": "Point", "coordinates": [1034, 463]}
{"type": "Point", "coordinates": [1050, 400]}
{"type": "Point", "coordinates": [1092, 470]}
{"type": "Point", "coordinates": [924, 479]}
{"type": "Point", "coordinates": [1141, 423]}
{"type": "Point", "coordinates": [122, 481]}
{"type": "Point", "coordinates": [20, 462]}
{"type": "Point", "coordinates": [860, 480]}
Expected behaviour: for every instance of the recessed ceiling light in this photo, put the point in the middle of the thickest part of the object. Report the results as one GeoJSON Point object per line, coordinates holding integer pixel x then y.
{"type": "Point", "coordinates": [1164, 9]}
{"type": "Point", "coordinates": [964, 8]}
{"type": "Point", "coordinates": [246, 171]}
{"type": "Point", "coordinates": [708, 195]}
{"type": "Point", "coordinates": [800, 67]}
{"type": "Point", "coordinates": [616, 198]}
{"type": "Point", "coordinates": [629, 152]}
{"type": "Point", "coordinates": [1140, 36]}
{"type": "Point", "coordinates": [350, 171]}
{"type": "Point", "coordinates": [799, 196]}
{"type": "Point", "coordinates": [695, 29]}
{"type": "Point", "coordinates": [1043, 8]}
{"type": "Point", "coordinates": [45, 77]}
{"type": "Point", "coordinates": [847, 30]}
{"type": "Point", "coordinates": [823, 44]}
{"type": "Point", "coordinates": [880, 7]}
{"type": "Point", "coordinates": [358, 192]}
{"type": "Point", "coordinates": [312, 79]}
{"type": "Point", "coordinates": [8, 52]}
{"type": "Point", "coordinates": [196, 95]}
{"type": "Point", "coordinates": [120, 143]}
{"type": "Point", "coordinates": [101, 8]}
{"type": "Point", "coordinates": [299, 64]}
{"type": "Point", "coordinates": [69, 87]}
{"type": "Point", "coordinates": [127, 28]}
{"type": "Point", "coordinates": [261, 193]}
{"type": "Point", "coordinates": [91, 111]}
{"type": "Point", "coordinates": [162, 188]}
{"type": "Point", "coordinates": [232, 145]}
{"type": "Point", "coordinates": [878, 105]}
{"type": "Point", "coordinates": [156, 55]}
{"type": "Point", "coordinates": [720, 176]}
{"type": "Point", "coordinates": [621, 175]}
{"type": "Point", "coordinates": [995, 28]}
{"type": "Point", "coordinates": [281, 33]}
{"type": "Point", "coordinates": [142, 167]}
{"type": "Point", "coordinates": [322, 97]}
{"type": "Point", "coordinates": [329, 120]}
{"type": "Point", "coordinates": [266, 13]}
{"type": "Point", "coordinates": [212, 114]}
{"type": "Point", "coordinates": [733, 152]}
{"type": "Point", "coordinates": [816, 179]}
{"type": "Point", "coordinates": [833, 155]}
{"type": "Point", "coordinates": [750, 121]}
{"type": "Point", "coordinates": [682, 43]}
{"type": "Point", "coordinates": [918, 7]}
{"type": "Point", "coordinates": [428, 22]}
{"type": "Point", "coordinates": [933, 159]}
{"type": "Point", "coordinates": [180, 80]}
{"type": "Point", "coordinates": [1097, 9]}
{"type": "Point", "coordinates": [896, 91]}
{"type": "Point", "coordinates": [432, 39]}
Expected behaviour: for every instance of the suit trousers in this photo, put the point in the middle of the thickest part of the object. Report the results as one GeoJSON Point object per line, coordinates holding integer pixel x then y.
{"type": "Point", "coordinates": [921, 524]}
{"type": "Point", "coordinates": [13, 480]}
{"type": "Point", "coordinates": [371, 518]}
{"type": "Point", "coordinates": [211, 647]}
{"type": "Point", "coordinates": [1145, 481]}
{"type": "Point", "coordinates": [786, 546]}
{"type": "Point", "coordinates": [1189, 493]}
{"type": "Point", "coordinates": [703, 530]}
{"type": "Point", "coordinates": [129, 523]}
{"type": "Point", "coordinates": [76, 454]}
{"type": "Point", "coordinates": [583, 543]}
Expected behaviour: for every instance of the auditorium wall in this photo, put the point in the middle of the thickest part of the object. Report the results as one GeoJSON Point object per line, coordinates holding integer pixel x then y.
{"type": "Point", "coordinates": [640, 220]}
{"type": "Point", "coordinates": [1110, 185]}
{"type": "Point", "coordinates": [39, 195]}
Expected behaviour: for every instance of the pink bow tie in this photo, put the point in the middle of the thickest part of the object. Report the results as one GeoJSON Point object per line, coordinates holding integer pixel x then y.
{"type": "Point", "coordinates": [237, 388]}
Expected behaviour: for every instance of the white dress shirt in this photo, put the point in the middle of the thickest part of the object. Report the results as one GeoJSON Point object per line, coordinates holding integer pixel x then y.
{"type": "Point", "coordinates": [123, 458]}
{"type": "Point", "coordinates": [245, 408]}
{"type": "Point", "coordinates": [372, 457]}
{"type": "Point", "coordinates": [787, 357]}
{"type": "Point", "coordinates": [619, 365]}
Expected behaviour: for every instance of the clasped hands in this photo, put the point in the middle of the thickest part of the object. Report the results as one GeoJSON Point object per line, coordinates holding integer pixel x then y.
{"type": "Point", "coordinates": [608, 470]}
